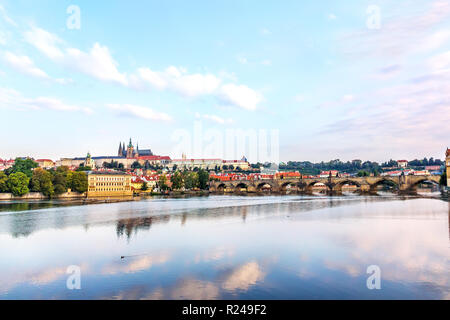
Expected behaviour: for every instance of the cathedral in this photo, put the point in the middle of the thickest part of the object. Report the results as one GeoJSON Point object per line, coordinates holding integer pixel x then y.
{"type": "Point", "coordinates": [130, 152]}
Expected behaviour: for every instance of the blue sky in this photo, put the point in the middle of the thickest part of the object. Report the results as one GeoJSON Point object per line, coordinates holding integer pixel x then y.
{"type": "Point", "coordinates": [332, 84]}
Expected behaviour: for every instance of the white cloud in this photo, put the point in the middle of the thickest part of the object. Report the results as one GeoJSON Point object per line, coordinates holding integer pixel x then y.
{"type": "Point", "coordinates": [436, 40]}
{"type": "Point", "coordinates": [98, 63]}
{"type": "Point", "coordinates": [5, 17]}
{"type": "Point", "coordinates": [241, 96]}
{"type": "Point", "coordinates": [196, 84]}
{"type": "Point", "coordinates": [332, 16]}
{"type": "Point", "coordinates": [139, 112]}
{"type": "Point", "coordinates": [24, 65]}
{"type": "Point", "coordinates": [266, 62]}
{"type": "Point", "coordinates": [45, 42]}
{"type": "Point", "coordinates": [155, 79]}
{"type": "Point", "coordinates": [54, 104]}
{"type": "Point", "coordinates": [214, 118]}
{"type": "Point", "coordinates": [176, 79]}
{"type": "Point", "coordinates": [13, 99]}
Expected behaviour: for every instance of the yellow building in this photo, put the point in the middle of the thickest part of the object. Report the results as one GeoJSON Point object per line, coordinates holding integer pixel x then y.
{"type": "Point", "coordinates": [447, 166]}
{"type": "Point", "coordinates": [109, 184]}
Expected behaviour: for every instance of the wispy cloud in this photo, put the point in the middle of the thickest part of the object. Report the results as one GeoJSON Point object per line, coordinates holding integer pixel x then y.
{"type": "Point", "coordinates": [24, 65]}
{"type": "Point", "coordinates": [214, 118]}
{"type": "Point", "coordinates": [99, 63]}
{"type": "Point", "coordinates": [139, 112]}
{"type": "Point", "coordinates": [5, 17]}
{"type": "Point", "coordinates": [13, 99]}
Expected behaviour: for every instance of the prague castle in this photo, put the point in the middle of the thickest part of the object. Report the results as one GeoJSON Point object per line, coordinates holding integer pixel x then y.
{"type": "Point", "coordinates": [130, 152]}
{"type": "Point", "coordinates": [127, 155]}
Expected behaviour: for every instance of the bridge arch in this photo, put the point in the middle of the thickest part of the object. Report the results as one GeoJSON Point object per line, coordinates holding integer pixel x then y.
{"type": "Point", "coordinates": [239, 186]}
{"type": "Point", "coordinates": [310, 186]}
{"type": "Point", "coordinates": [284, 185]}
{"type": "Point", "coordinates": [414, 185]}
{"type": "Point", "coordinates": [387, 181]}
{"type": "Point", "coordinates": [221, 187]}
{"type": "Point", "coordinates": [261, 186]}
{"type": "Point", "coordinates": [339, 185]}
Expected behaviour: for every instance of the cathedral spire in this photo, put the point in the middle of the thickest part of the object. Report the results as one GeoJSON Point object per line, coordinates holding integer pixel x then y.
{"type": "Point", "coordinates": [120, 152]}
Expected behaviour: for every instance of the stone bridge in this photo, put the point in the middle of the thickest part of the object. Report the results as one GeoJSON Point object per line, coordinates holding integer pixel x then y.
{"type": "Point", "coordinates": [333, 185]}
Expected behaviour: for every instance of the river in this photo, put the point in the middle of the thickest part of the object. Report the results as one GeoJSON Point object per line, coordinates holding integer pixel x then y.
{"type": "Point", "coordinates": [227, 247]}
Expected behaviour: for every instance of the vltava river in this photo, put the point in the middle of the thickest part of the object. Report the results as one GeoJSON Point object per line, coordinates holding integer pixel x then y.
{"type": "Point", "coordinates": [227, 247]}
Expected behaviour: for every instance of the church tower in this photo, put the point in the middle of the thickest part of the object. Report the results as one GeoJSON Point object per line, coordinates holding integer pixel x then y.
{"type": "Point", "coordinates": [130, 150]}
{"type": "Point", "coordinates": [120, 152]}
{"type": "Point", "coordinates": [447, 166]}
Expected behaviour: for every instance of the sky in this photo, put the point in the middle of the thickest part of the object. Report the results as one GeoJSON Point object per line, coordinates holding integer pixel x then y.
{"type": "Point", "coordinates": [342, 80]}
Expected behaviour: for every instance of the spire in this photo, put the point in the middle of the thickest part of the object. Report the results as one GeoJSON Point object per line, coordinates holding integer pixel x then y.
{"type": "Point", "coordinates": [120, 152]}
{"type": "Point", "coordinates": [130, 145]}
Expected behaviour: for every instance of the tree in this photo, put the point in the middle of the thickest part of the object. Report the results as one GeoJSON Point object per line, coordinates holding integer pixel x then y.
{"type": "Point", "coordinates": [363, 173]}
{"type": "Point", "coordinates": [18, 183]}
{"type": "Point", "coordinates": [177, 181]}
{"type": "Point", "coordinates": [136, 165]}
{"type": "Point", "coordinates": [175, 167]}
{"type": "Point", "coordinates": [41, 181]}
{"type": "Point", "coordinates": [443, 180]}
{"type": "Point", "coordinates": [77, 181]}
{"type": "Point", "coordinates": [82, 168]}
{"type": "Point", "coordinates": [162, 182]}
{"type": "Point", "coordinates": [3, 182]}
{"type": "Point", "coordinates": [60, 179]}
{"type": "Point", "coordinates": [144, 186]}
{"type": "Point", "coordinates": [22, 165]}
{"type": "Point", "coordinates": [190, 180]}
{"type": "Point", "coordinates": [203, 178]}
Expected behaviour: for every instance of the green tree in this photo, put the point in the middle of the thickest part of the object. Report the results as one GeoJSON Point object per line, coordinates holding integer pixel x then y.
{"type": "Point", "coordinates": [18, 183]}
{"type": "Point", "coordinates": [144, 186]}
{"type": "Point", "coordinates": [82, 168]}
{"type": "Point", "coordinates": [136, 165]}
{"type": "Point", "coordinates": [22, 165]}
{"type": "Point", "coordinates": [60, 179]}
{"type": "Point", "coordinates": [443, 180]}
{"type": "Point", "coordinates": [162, 182]}
{"type": "Point", "coordinates": [203, 178]}
{"type": "Point", "coordinates": [77, 181]}
{"type": "Point", "coordinates": [190, 180]}
{"type": "Point", "coordinates": [363, 173]}
{"type": "Point", "coordinates": [3, 182]}
{"type": "Point", "coordinates": [177, 181]}
{"type": "Point", "coordinates": [41, 181]}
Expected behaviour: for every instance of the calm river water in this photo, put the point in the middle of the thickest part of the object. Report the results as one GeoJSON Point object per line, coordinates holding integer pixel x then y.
{"type": "Point", "coordinates": [228, 247]}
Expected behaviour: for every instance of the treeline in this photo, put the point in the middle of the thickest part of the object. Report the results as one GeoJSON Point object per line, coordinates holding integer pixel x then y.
{"type": "Point", "coordinates": [25, 176]}
{"type": "Point", "coordinates": [188, 180]}
{"type": "Point", "coordinates": [309, 168]}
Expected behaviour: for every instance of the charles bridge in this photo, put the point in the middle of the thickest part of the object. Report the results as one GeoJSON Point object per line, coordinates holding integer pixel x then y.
{"type": "Point", "coordinates": [333, 185]}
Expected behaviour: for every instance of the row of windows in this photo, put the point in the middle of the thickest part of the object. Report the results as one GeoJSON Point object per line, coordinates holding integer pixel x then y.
{"type": "Point", "coordinates": [107, 189]}
{"type": "Point", "coordinates": [108, 178]}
